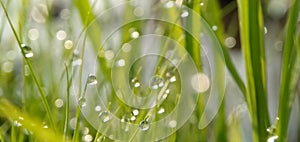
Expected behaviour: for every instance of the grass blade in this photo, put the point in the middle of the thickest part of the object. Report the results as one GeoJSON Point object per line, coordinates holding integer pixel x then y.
{"type": "Point", "coordinates": [251, 25]}
{"type": "Point", "coordinates": [286, 96]}
{"type": "Point", "coordinates": [11, 112]}
{"type": "Point", "coordinates": [42, 93]}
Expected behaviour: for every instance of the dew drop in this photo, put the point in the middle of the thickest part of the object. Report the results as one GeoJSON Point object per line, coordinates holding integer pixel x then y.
{"type": "Point", "coordinates": [92, 80]}
{"type": "Point", "coordinates": [169, 4]}
{"type": "Point", "coordinates": [272, 138]}
{"type": "Point", "coordinates": [135, 82]}
{"type": "Point", "coordinates": [201, 3]}
{"type": "Point", "coordinates": [59, 103]}
{"type": "Point", "coordinates": [133, 118]}
{"type": "Point", "coordinates": [104, 116]}
{"type": "Point", "coordinates": [135, 34]}
{"type": "Point", "coordinates": [85, 130]}
{"type": "Point", "coordinates": [172, 124]}
{"type": "Point", "coordinates": [87, 138]}
{"type": "Point", "coordinates": [17, 124]}
{"type": "Point", "coordinates": [121, 63]}
{"type": "Point", "coordinates": [167, 91]}
{"type": "Point", "coordinates": [230, 42]}
{"type": "Point", "coordinates": [27, 51]}
{"type": "Point", "coordinates": [214, 28]}
{"type": "Point", "coordinates": [161, 111]}
{"type": "Point", "coordinates": [265, 30]}
{"type": "Point", "coordinates": [61, 35]}
{"type": "Point", "coordinates": [68, 44]}
{"type": "Point", "coordinates": [135, 112]}
{"type": "Point", "coordinates": [109, 54]}
{"type": "Point", "coordinates": [76, 60]}
{"type": "Point", "coordinates": [156, 82]}
{"type": "Point", "coordinates": [82, 102]}
{"type": "Point", "coordinates": [173, 79]}
{"type": "Point", "coordinates": [45, 126]}
{"type": "Point", "coordinates": [184, 14]}
{"type": "Point", "coordinates": [144, 125]}
{"type": "Point", "coordinates": [97, 108]}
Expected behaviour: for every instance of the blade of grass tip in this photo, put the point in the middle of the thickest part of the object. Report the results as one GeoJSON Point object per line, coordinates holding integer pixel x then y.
{"type": "Point", "coordinates": [285, 105]}
{"type": "Point", "coordinates": [67, 109]}
{"type": "Point", "coordinates": [41, 91]}
{"type": "Point", "coordinates": [251, 25]}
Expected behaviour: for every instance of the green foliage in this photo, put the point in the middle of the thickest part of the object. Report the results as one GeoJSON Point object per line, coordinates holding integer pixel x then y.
{"type": "Point", "coordinates": [31, 109]}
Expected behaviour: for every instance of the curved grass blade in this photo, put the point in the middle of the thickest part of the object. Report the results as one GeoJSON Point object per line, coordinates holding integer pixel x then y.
{"type": "Point", "coordinates": [11, 112]}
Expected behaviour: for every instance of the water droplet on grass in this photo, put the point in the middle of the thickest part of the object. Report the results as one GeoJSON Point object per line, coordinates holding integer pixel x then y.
{"type": "Point", "coordinates": [169, 4]}
{"type": "Point", "coordinates": [97, 108]}
{"type": "Point", "coordinates": [156, 82]}
{"type": "Point", "coordinates": [59, 103]}
{"type": "Point", "coordinates": [265, 30]}
{"type": "Point", "coordinates": [230, 42]}
{"type": "Point", "coordinates": [173, 79]}
{"type": "Point", "coordinates": [214, 28]}
{"type": "Point", "coordinates": [135, 82]}
{"type": "Point", "coordinates": [135, 112]}
{"type": "Point", "coordinates": [61, 35]}
{"type": "Point", "coordinates": [144, 125]}
{"type": "Point", "coordinates": [272, 138]}
{"type": "Point", "coordinates": [82, 102]}
{"type": "Point", "coordinates": [161, 111]}
{"type": "Point", "coordinates": [27, 51]}
{"type": "Point", "coordinates": [135, 34]}
{"type": "Point", "coordinates": [172, 124]}
{"type": "Point", "coordinates": [184, 14]}
{"type": "Point", "coordinates": [121, 63]}
{"type": "Point", "coordinates": [92, 80]}
{"type": "Point", "coordinates": [104, 116]}
{"type": "Point", "coordinates": [68, 44]}
{"type": "Point", "coordinates": [133, 118]}
{"type": "Point", "coordinates": [87, 138]}
{"type": "Point", "coordinates": [201, 3]}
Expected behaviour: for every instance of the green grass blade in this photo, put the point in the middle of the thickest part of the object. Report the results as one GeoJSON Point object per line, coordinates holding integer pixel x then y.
{"type": "Point", "coordinates": [67, 107]}
{"type": "Point", "coordinates": [12, 113]}
{"type": "Point", "coordinates": [252, 30]}
{"type": "Point", "coordinates": [42, 93]}
{"type": "Point", "coordinates": [286, 95]}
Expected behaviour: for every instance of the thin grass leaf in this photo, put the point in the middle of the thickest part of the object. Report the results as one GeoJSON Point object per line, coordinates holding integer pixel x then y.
{"type": "Point", "coordinates": [41, 91]}
{"type": "Point", "coordinates": [252, 38]}
{"type": "Point", "coordinates": [286, 96]}
{"type": "Point", "coordinates": [13, 113]}
{"type": "Point", "coordinates": [67, 107]}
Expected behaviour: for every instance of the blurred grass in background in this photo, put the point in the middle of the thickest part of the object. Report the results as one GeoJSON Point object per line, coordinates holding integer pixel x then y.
{"type": "Point", "coordinates": [40, 80]}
